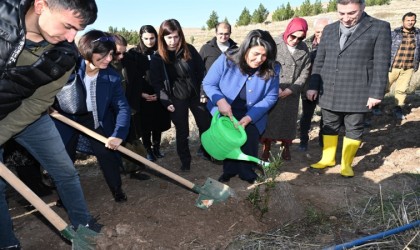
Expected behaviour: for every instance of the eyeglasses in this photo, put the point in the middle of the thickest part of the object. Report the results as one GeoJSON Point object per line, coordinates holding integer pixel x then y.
{"type": "Point", "coordinates": [223, 34]}
{"type": "Point", "coordinates": [105, 39]}
{"type": "Point", "coordinates": [299, 38]}
{"type": "Point", "coordinates": [118, 53]}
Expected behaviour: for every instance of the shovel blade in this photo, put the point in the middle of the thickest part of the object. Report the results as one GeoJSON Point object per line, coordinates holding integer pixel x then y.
{"type": "Point", "coordinates": [212, 192]}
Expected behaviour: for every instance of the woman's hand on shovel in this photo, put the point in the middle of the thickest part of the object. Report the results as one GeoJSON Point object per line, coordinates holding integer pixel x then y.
{"type": "Point", "coordinates": [113, 143]}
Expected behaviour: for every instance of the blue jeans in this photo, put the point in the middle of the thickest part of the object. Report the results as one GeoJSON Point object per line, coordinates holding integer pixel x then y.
{"type": "Point", "coordinates": [43, 141]}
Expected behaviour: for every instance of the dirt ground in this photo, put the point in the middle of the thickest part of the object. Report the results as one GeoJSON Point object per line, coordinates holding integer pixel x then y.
{"type": "Point", "coordinates": [161, 214]}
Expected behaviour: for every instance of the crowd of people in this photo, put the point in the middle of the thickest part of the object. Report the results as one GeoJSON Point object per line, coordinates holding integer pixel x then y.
{"type": "Point", "coordinates": [131, 97]}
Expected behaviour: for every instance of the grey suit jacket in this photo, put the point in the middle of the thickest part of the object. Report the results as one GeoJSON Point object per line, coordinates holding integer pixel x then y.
{"type": "Point", "coordinates": [347, 78]}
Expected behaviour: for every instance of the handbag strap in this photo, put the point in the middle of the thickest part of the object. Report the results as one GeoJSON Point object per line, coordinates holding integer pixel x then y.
{"type": "Point", "coordinates": [164, 70]}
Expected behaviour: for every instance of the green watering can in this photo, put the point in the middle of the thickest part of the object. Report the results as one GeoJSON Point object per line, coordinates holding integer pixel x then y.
{"type": "Point", "coordinates": [224, 139]}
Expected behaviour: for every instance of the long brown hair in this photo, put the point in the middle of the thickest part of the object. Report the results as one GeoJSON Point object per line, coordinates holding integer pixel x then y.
{"type": "Point", "coordinates": [166, 28]}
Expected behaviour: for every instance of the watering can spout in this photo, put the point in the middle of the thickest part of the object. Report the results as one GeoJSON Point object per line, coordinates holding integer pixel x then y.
{"type": "Point", "coordinates": [238, 155]}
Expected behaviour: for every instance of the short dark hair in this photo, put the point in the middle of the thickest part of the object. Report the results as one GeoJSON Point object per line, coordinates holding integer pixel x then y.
{"type": "Point", "coordinates": [90, 44]}
{"type": "Point", "coordinates": [225, 24]}
{"type": "Point", "coordinates": [345, 2]}
{"type": "Point", "coordinates": [120, 40]}
{"type": "Point", "coordinates": [256, 38]}
{"type": "Point", "coordinates": [409, 14]}
{"type": "Point", "coordinates": [83, 9]}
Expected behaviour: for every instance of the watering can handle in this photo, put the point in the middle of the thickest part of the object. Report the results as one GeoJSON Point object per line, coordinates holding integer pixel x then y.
{"type": "Point", "coordinates": [216, 117]}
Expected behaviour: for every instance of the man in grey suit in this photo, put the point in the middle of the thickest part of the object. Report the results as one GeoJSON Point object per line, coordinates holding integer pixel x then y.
{"type": "Point", "coordinates": [351, 73]}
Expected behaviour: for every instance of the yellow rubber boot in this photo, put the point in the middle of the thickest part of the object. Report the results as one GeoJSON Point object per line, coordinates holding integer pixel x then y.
{"type": "Point", "coordinates": [328, 152]}
{"type": "Point", "coordinates": [350, 147]}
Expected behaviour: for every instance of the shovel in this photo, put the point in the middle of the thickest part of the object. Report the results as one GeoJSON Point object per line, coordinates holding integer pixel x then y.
{"type": "Point", "coordinates": [81, 239]}
{"type": "Point", "coordinates": [211, 192]}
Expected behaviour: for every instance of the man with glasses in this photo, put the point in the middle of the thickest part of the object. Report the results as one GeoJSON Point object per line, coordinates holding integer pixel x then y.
{"type": "Point", "coordinates": [210, 51]}
{"type": "Point", "coordinates": [37, 55]}
{"type": "Point", "coordinates": [351, 72]}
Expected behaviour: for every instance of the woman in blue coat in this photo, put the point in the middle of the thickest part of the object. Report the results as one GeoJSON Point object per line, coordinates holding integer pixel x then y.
{"type": "Point", "coordinates": [107, 113]}
{"type": "Point", "coordinates": [244, 83]}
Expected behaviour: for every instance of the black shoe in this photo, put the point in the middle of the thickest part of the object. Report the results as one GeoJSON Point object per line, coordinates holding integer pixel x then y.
{"type": "Point", "coordinates": [150, 155]}
{"type": "Point", "coordinates": [156, 151]}
{"type": "Point", "coordinates": [225, 177]}
{"type": "Point", "coordinates": [398, 113]}
{"type": "Point", "coordinates": [16, 247]}
{"type": "Point", "coordinates": [59, 203]}
{"type": "Point", "coordinates": [94, 225]}
{"type": "Point", "coordinates": [185, 168]}
{"type": "Point", "coordinates": [119, 195]}
{"type": "Point", "coordinates": [139, 176]}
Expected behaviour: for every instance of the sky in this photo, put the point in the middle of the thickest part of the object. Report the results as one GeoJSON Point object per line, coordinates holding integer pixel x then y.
{"type": "Point", "coordinates": [132, 14]}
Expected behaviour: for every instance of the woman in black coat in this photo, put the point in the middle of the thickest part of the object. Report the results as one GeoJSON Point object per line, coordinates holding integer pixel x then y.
{"type": "Point", "coordinates": [154, 118]}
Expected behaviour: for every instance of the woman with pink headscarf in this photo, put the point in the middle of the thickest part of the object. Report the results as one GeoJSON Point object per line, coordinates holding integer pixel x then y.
{"type": "Point", "coordinates": [293, 55]}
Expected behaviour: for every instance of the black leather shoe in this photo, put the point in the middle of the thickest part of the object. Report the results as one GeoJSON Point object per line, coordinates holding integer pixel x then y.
{"type": "Point", "coordinates": [185, 168]}
{"type": "Point", "coordinates": [94, 225]}
{"type": "Point", "coordinates": [119, 195]}
{"type": "Point", "coordinates": [156, 151]}
{"type": "Point", "coordinates": [150, 155]}
{"type": "Point", "coordinates": [225, 177]}
{"type": "Point", "coordinates": [139, 176]}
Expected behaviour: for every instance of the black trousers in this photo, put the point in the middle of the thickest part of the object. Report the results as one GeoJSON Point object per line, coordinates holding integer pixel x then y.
{"type": "Point", "coordinates": [179, 117]}
{"type": "Point", "coordinates": [245, 169]}
{"type": "Point", "coordinates": [109, 160]}
{"type": "Point", "coordinates": [308, 109]}
{"type": "Point", "coordinates": [353, 123]}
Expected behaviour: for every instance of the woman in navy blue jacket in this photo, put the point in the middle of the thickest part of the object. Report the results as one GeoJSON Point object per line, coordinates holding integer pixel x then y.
{"type": "Point", "coordinates": [108, 112]}
{"type": "Point", "coordinates": [244, 83]}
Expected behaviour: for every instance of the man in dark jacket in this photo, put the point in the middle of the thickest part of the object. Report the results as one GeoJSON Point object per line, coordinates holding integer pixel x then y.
{"type": "Point", "coordinates": [35, 62]}
{"type": "Point", "coordinates": [351, 72]}
{"type": "Point", "coordinates": [210, 51]}
{"type": "Point", "coordinates": [405, 56]}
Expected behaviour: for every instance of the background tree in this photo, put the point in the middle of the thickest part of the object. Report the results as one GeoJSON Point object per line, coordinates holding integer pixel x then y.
{"type": "Point", "coordinates": [226, 20]}
{"type": "Point", "coordinates": [259, 14]}
{"type": "Point", "coordinates": [244, 18]}
{"type": "Point", "coordinates": [289, 11]}
{"type": "Point", "coordinates": [305, 9]}
{"type": "Point", "coordinates": [279, 14]}
{"type": "Point", "coordinates": [213, 20]}
{"type": "Point", "coordinates": [332, 6]}
{"type": "Point", "coordinates": [317, 8]}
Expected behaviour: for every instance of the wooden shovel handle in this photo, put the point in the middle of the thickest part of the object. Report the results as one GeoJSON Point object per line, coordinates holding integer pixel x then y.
{"type": "Point", "coordinates": [123, 150]}
{"type": "Point", "coordinates": [30, 196]}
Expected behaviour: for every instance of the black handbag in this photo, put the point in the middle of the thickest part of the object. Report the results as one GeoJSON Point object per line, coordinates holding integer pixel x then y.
{"type": "Point", "coordinates": [71, 99]}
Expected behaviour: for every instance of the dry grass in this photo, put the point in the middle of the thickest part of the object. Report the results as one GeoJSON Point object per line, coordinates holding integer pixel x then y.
{"type": "Point", "coordinates": [381, 212]}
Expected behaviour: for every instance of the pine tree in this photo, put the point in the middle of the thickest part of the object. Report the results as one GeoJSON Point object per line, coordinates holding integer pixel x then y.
{"type": "Point", "coordinates": [244, 18]}
{"type": "Point", "coordinates": [317, 8]}
{"type": "Point", "coordinates": [212, 21]}
{"type": "Point", "coordinates": [332, 6]}
{"type": "Point", "coordinates": [259, 14]}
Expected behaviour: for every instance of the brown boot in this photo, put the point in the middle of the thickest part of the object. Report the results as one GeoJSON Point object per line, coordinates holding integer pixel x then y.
{"type": "Point", "coordinates": [285, 154]}
{"type": "Point", "coordinates": [266, 149]}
